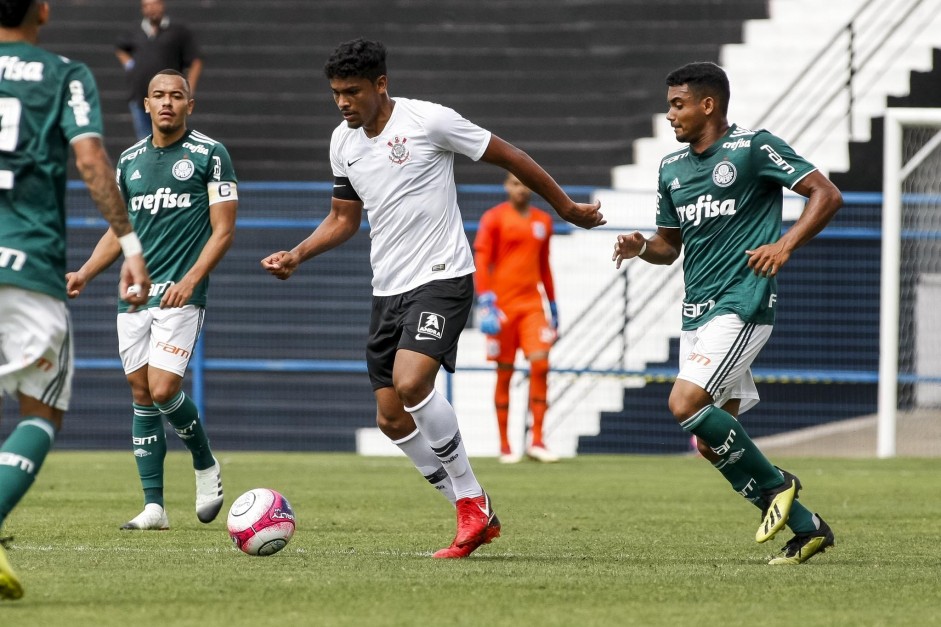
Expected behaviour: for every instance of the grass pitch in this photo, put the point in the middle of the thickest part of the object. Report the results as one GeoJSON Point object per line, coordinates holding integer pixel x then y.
{"type": "Point", "coordinates": [598, 540]}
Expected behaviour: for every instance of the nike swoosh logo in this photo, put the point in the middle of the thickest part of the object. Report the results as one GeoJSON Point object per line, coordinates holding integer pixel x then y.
{"type": "Point", "coordinates": [349, 163]}
{"type": "Point", "coordinates": [424, 337]}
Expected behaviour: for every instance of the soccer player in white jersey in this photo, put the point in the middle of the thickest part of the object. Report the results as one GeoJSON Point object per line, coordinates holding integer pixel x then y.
{"type": "Point", "coordinates": [719, 201]}
{"type": "Point", "coordinates": [394, 158]}
{"type": "Point", "coordinates": [181, 195]}
{"type": "Point", "coordinates": [48, 104]}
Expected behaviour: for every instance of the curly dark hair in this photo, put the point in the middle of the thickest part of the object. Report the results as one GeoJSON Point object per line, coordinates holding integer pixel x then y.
{"type": "Point", "coordinates": [704, 79]}
{"type": "Point", "coordinates": [12, 12]}
{"type": "Point", "coordinates": [359, 58]}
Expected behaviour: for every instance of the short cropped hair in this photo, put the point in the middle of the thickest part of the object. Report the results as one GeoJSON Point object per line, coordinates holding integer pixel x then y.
{"type": "Point", "coordinates": [13, 12]}
{"type": "Point", "coordinates": [703, 79]}
{"type": "Point", "coordinates": [359, 58]}
{"type": "Point", "coordinates": [170, 72]}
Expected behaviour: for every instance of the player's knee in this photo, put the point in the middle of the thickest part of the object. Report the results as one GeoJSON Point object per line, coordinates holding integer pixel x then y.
{"type": "Point", "coordinates": [412, 390]}
{"type": "Point", "coordinates": [539, 367]}
{"type": "Point", "coordinates": [395, 425]}
{"type": "Point", "coordinates": [682, 407]}
{"type": "Point", "coordinates": [163, 392]}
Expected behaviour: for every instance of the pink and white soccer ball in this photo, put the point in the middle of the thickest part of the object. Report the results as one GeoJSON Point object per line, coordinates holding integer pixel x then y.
{"type": "Point", "coordinates": [261, 522]}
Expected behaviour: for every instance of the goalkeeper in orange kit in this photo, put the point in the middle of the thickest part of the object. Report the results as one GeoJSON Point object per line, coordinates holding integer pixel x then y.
{"type": "Point", "coordinates": [511, 253]}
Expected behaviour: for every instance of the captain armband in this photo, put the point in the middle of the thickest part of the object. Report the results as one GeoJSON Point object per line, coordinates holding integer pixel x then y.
{"type": "Point", "coordinates": [343, 190]}
{"type": "Point", "coordinates": [222, 191]}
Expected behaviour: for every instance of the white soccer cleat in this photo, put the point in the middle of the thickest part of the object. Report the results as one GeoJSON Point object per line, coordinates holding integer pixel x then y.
{"type": "Point", "coordinates": [209, 493]}
{"type": "Point", "coordinates": [154, 517]}
{"type": "Point", "coordinates": [542, 454]}
{"type": "Point", "coordinates": [510, 458]}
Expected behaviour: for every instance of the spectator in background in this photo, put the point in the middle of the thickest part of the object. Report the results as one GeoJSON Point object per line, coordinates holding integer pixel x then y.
{"type": "Point", "coordinates": [156, 45]}
{"type": "Point", "coordinates": [512, 259]}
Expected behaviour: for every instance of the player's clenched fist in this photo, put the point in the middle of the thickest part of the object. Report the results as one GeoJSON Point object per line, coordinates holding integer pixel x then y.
{"type": "Point", "coordinates": [281, 264]}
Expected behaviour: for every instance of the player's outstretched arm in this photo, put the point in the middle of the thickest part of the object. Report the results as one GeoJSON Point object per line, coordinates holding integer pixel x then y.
{"type": "Point", "coordinates": [823, 201]}
{"type": "Point", "coordinates": [107, 250]}
{"type": "Point", "coordinates": [95, 168]}
{"type": "Point", "coordinates": [663, 248]}
{"type": "Point", "coordinates": [531, 174]}
{"type": "Point", "coordinates": [341, 224]}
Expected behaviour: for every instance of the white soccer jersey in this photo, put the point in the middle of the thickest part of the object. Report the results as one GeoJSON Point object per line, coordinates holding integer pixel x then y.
{"type": "Point", "coordinates": [405, 178]}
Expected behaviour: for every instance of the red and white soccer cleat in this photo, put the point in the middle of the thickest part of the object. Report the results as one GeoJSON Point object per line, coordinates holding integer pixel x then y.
{"type": "Point", "coordinates": [477, 525]}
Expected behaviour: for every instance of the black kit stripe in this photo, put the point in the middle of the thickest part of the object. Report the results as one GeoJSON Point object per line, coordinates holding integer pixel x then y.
{"type": "Point", "coordinates": [731, 358]}
{"type": "Point", "coordinates": [51, 394]}
{"type": "Point", "coordinates": [199, 323]}
{"type": "Point", "coordinates": [449, 447]}
{"type": "Point", "coordinates": [437, 476]}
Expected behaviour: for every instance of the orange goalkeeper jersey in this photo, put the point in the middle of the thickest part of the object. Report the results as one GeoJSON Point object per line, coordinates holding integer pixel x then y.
{"type": "Point", "coordinates": [511, 252]}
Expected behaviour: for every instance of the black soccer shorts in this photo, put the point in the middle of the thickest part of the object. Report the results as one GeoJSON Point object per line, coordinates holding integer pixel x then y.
{"type": "Point", "coordinates": [428, 320]}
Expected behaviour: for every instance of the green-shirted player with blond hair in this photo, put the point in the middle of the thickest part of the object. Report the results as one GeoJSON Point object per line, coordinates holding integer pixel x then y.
{"type": "Point", "coordinates": [719, 201]}
{"type": "Point", "coordinates": [181, 195]}
{"type": "Point", "coordinates": [47, 104]}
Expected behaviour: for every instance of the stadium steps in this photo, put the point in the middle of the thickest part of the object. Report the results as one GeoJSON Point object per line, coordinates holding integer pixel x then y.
{"type": "Point", "coordinates": [865, 173]}
{"type": "Point", "coordinates": [572, 82]}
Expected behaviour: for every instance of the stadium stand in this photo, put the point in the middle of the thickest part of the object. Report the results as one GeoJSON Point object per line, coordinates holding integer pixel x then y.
{"type": "Point", "coordinates": [865, 173]}
{"type": "Point", "coordinates": [572, 82]}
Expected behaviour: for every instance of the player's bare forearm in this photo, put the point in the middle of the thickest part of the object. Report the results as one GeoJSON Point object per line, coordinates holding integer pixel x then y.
{"type": "Point", "coordinates": [824, 200]}
{"type": "Point", "coordinates": [662, 248]}
{"type": "Point", "coordinates": [340, 225]}
{"type": "Point", "coordinates": [95, 169]}
{"type": "Point", "coordinates": [106, 252]}
{"type": "Point", "coordinates": [533, 176]}
{"type": "Point", "coordinates": [222, 217]}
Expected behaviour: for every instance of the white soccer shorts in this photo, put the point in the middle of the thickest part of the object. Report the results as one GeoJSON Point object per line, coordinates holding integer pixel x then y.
{"type": "Point", "coordinates": [162, 338]}
{"type": "Point", "coordinates": [35, 346]}
{"type": "Point", "coordinates": [718, 357]}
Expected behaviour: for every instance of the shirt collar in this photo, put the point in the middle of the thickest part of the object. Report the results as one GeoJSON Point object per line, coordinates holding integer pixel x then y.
{"type": "Point", "coordinates": [149, 29]}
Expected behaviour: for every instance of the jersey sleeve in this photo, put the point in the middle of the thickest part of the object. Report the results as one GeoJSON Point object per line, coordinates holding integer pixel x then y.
{"type": "Point", "coordinates": [81, 109]}
{"type": "Point", "coordinates": [336, 159]}
{"type": "Point", "coordinates": [222, 184]}
{"type": "Point", "coordinates": [447, 130]}
{"type": "Point", "coordinates": [666, 210]}
{"type": "Point", "coordinates": [484, 246]}
{"type": "Point", "coordinates": [222, 168]}
{"type": "Point", "coordinates": [776, 161]}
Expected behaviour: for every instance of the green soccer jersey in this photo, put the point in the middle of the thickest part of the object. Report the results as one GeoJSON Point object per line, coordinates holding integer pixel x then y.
{"type": "Point", "coordinates": [725, 201]}
{"type": "Point", "coordinates": [169, 191]}
{"type": "Point", "coordinates": [46, 102]}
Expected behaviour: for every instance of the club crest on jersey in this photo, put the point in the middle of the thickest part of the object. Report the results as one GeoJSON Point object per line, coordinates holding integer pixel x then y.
{"type": "Point", "coordinates": [430, 325]}
{"type": "Point", "coordinates": [539, 230]}
{"type": "Point", "coordinates": [724, 174]}
{"type": "Point", "coordinates": [399, 153]}
{"type": "Point", "coordinates": [183, 169]}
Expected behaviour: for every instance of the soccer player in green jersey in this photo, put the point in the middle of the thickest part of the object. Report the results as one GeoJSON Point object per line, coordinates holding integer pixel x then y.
{"type": "Point", "coordinates": [719, 202]}
{"type": "Point", "coordinates": [47, 103]}
{"type": "Point", "coordinates": [181, 195]}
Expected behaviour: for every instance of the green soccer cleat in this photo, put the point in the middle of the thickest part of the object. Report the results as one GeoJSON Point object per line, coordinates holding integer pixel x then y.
{"type": "Point", "coordinates": [804, 546]}
{"type": "Point", "coordinates": [10, 586]}
{"type": "Point", "coordinates": [779, 501]}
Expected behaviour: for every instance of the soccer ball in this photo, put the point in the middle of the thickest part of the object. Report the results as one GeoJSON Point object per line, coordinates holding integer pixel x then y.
{"type": "Point", "coordinates": [261, 522]}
